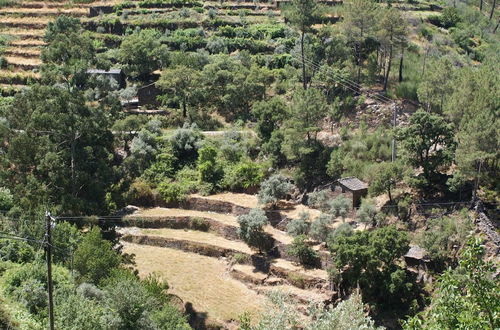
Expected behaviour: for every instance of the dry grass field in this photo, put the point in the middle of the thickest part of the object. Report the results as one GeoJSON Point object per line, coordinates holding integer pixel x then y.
{"type": "Point", "coordinates": [244, 200]}
{"type": "Point", "coordinates": [166, 212]}
{"type": "Point", "coordinates": [198, 236]}
{"type": "Point", "coordinates": [226, 219]}
{"type": "Point", "coordinates": [201, 280]}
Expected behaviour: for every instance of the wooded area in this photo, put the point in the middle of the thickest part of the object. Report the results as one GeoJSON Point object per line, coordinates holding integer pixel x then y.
{"type": "Point", "coordinates": [305, 144]}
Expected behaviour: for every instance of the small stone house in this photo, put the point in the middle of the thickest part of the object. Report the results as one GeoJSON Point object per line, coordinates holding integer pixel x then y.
{"type": "Point", "coordinates": [356, 187]}
{"type": "Point", "coordinates": [114, 74]}
{"type": "Point", "coordinates": [148, 95]}
{"type": "Point", "coordinates": [416, 257]}
{"type": "Point", "coordinates": [98, 10]}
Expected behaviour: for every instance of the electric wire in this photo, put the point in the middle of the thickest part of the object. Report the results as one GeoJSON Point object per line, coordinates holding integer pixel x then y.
{"type": "Point", "coordinates": [349, 84]}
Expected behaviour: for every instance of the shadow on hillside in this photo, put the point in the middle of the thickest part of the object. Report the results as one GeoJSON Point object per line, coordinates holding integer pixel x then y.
{"type": "Point", "coordinates": [197, 320]}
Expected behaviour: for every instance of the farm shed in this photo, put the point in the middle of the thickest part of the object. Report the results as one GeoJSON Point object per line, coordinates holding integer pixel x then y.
{"type": "Point", "coordinates": [356, 187]}
{"type": "Point", "coordinates": [115, 74]}
{"type": "Point", "coordinates": [98, 10]}
{"type": "Point", "coordinates": [416, 256]}
{"type": "Point", "coordinates": [148, 94]}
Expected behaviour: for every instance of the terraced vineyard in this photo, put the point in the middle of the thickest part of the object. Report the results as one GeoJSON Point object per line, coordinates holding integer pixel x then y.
{"type": "Point", "coordinates": [23, 23]}
{"type": "Point", "coordinates": [197, 249]}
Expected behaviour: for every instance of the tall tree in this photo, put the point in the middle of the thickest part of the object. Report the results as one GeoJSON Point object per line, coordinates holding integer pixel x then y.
{"type": "Point", "coordinates": [360, 24]}
{"type": "Point", "coordinates": [70, 52]}
{"type": "Point", "coordinates": [435, 86]}
{"type": "Point", "coordinates": [182, 85]}
{"type": "Point", "coordinates": [385, 176]}
{"type": "Point", "coordinates": [369, 260]}
{"type": "Point", "coordinates": [302, 14]}
{"type": "Point", "coordinates": [308, 108]}
{"type": "Point", "coordinates": [393, 33]}
{"type": "Point", "coordinates": [427, 142]}
{"type": "Point", "coordinates": [63, 145]}
{"type": "Point", "coordinates": [141, 53]}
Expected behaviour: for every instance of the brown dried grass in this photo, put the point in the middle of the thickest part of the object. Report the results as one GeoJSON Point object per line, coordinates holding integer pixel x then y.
{"type": "Point", "coordinates": [201, 280]}
{"type": "Point", "coordinates": [198, 236]}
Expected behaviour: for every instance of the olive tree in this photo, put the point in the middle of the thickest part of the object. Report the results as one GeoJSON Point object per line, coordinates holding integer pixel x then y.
{"type": "Point", "coordinates": [251, 229]}
{"type": "Point", "coordinates": [273, 189]}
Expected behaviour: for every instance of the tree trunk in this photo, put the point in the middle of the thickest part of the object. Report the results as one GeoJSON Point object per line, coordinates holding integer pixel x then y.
{"type": "Point", "coordinates": [304, 79]}
{"type": "Point", "coordinates": [388, 69]}
{"type": "Point", "coordinates": [493, 9]}
{"type": "Point", "coordinates": [425, 60]}
{"type": "Point", "coordinates": [401, 65]}
{"type": "Point", "coordinates": [496, 27]}
{"type": "Point", "coordinates": [390, 195]}
{"type": "Point", "coordinates": [184, 110]}
{"type": "Point", "coordinates": [481, 5]}
{"type": "Point", "coordinates": [358, 59]}
{"type": "Point", "coordinates": [73, 183]}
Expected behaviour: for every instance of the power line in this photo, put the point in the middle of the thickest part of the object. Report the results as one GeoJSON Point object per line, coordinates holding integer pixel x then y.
{"type": "Point", "coordinates": [342, 80]}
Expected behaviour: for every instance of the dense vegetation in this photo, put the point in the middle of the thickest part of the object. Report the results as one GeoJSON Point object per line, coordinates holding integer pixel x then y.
{"type": "Point", "coordinates": [278, 108]}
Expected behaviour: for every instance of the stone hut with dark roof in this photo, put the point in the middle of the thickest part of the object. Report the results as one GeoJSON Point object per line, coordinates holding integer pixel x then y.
{"type": "Point", "coordinates": [356, 187]}
{"type": "Point", "coordinates": [416, 256]}
{"type": "Point", "coordinates": [112, 74]}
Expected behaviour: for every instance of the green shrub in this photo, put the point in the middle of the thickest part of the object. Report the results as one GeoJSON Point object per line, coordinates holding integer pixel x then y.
{"type": "Point", "coordinates": [16, 251]}
{"type": "Point", "coordinates": [140, 193]}
{"type": "Point", "coordinates": [6, 320]}
{"type": "Point", "coordinates": [75, 311]}
{"type": "Point", "coordinates": [66, 238]}
{"type": "Point", "coordinates": [172, 191]}
{"type": "Point", "coordinates": [251, 229]}
{"type": "Point", "coordinates": [320, 229]}
{"type": "Point", "coordinates": [297, 280]}
{"type": "Point", "coordinates": [27, 284]}
{"type": "Point", "coordinates": [240, 258]}
{"type": "Point", "coordinates": [169, 317]}
{"type": "Point", "coordinates": [95, 258]}
{"type": "Point", "coordinates": [243, 175]}
{"type": "Point", "coordinates": [209, 168]}
{"type": "Point", "coordinates": [6, 199]}
{"type": "Point", "coordinates": [274, 189]}
{"type": "Point", "coordinates": [200, 224]}
{"type": "Point", "coordinates": [299, 248]}
{"type": "Point", "coordinates": [299, 226]}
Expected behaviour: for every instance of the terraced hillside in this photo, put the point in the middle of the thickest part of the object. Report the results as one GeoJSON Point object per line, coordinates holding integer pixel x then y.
{"type": "Point", "coordinates": [188, 25]}
{"type": "Point", "coordinates": [197, 249]}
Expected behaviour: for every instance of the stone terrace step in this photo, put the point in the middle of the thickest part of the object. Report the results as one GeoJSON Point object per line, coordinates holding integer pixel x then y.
{"type": "Point", "coordinates": [225, 225]}
{"type": "Point", "coordinates": [187, 240]}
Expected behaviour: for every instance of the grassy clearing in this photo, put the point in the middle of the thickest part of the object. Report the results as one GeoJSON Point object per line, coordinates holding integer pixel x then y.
{"type": "Point", "coordinates": [24, 33]}
{"type": "Point", "coordinates": [23, 74]}
{"type": "Point", "coordinates": [27, 20]}
{"type": "Point", "coordinates": [77, 11]}
{"type": "Point", "coordinates": [301, 294]}
{"type": "Point", "coordinates": [250, 271]}
{"type": "Point", "coordinates": [200, 237]}
{"type": "Point", "coordinates": [288, 265]}
{"type": "Point", "coordinates": [22, 61]}
{"type": "Point", "coordinates": [23, 51]}
{"type": "Point", "coordinates": [27, 43]}
{"type": "Point", "coordinates": [223, 218]}
{"type": "Point", "coordinates": [244, 200]}
{"type": "Point", "coordinates": [201, 280]}
{"type": "Point", "coordinates": [164, 212]}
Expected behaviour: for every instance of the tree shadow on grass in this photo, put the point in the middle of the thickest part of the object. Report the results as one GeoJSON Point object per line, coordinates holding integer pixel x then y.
{"type": "Point", "coordinates": [197, 320]}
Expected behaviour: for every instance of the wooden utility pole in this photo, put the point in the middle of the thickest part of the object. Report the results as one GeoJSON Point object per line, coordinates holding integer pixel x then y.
{"type": "Point", "coordinates": [48, 253]}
